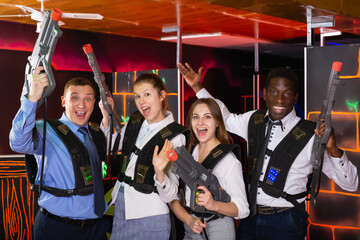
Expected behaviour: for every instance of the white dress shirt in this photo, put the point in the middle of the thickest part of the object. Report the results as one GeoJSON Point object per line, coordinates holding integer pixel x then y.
{"type": "Point", "coordinates": [137, 204]}
{"type": "Point", "coordinates": [341, 170]}
{"type": "Point", "coordinates": [229, 174]}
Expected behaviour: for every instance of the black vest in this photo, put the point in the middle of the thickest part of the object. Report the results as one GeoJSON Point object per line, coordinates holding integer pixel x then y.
{"type": "Point", "coordinates": [143, 179]}
{"type": "Point", "coordinates": [79, 156]}
{"type": "Point", "coordinates": [282, 157]}
{"type": "Point", "coordinates": [211, 160]}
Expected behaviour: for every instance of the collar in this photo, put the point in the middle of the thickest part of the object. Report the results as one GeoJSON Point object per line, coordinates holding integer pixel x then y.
{"type": "Point", "coordinates": [73, 127]}
{"type": "Point", "coordinates": [168, 119]}
{"type": "Point", "coordinates": [287, 120]}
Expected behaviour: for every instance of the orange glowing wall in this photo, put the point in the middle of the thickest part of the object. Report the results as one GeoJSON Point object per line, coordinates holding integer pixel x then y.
{"type": "Point", "coordinates": [337, 212]}
{"type": "Point", "coordinates": [18, 203]}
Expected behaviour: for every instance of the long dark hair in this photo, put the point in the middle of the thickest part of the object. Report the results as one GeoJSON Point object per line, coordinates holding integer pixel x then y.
{"type": "Point", "coordinates": [221, 134]}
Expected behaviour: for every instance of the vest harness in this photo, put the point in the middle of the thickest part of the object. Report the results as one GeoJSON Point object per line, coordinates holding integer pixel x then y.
{"type": "Point", "coordinates": [282, 157]}
{"type": "Point", "coordinates": [211, 160]}
{"type": "Point", "coordinates": [143, 179]}
{"type": "Point", "coordinates": [80, 160]}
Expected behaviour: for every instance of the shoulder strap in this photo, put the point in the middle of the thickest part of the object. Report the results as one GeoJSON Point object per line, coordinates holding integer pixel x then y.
{"type": "Point", "coordinates": [80, 160]}
{"type": "Point", "coordinates": [131, 132]}
{"type": "Point", "coordinates": [256, 133]}
{"type": "Point", "coordinates": [99, 139]}
{"type": "Point", "coordinates": [219, 152]}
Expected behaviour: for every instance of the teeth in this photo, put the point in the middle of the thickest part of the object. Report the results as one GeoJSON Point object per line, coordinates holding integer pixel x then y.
{"type": "Point", "coordinates": [279, 108]}
{"type": "Point", "coordinates": [144, 108]}
{"type": "Point", "coordinates": [201, 129]}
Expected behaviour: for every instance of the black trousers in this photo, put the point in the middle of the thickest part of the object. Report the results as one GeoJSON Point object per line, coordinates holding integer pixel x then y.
{"type": "Point", "coordinates": [47, 228]}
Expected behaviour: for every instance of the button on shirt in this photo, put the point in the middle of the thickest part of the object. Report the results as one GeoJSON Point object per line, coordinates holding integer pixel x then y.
{"type": "Point", "coordinates": [344, 175]}
{"type": "Point", "coordinates": [58, 168]}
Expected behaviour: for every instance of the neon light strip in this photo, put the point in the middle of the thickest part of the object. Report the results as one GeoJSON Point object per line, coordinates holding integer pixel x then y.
{"type": "Point", "coordinates": [358, 73]}
{"type": "Point", "coordinates": [115, 83]}
{"type": "Point", "coordinates": [245, 98]}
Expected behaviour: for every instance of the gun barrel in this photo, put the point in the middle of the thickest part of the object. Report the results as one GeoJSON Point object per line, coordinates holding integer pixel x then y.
{"type": "Point", "coordinates": [88, 48]}
{"type": "Point", "coordinates": [337, 66]}
{"type": "Point", "coordinates": [56, 14]}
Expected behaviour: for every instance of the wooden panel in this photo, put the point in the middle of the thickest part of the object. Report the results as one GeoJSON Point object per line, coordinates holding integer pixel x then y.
{"type": "Point", "coordinates": [268, 20]}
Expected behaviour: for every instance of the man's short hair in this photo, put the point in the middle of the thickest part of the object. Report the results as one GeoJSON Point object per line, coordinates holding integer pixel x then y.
{"type": "Point", "coordinates": [79, 81]}
{"type": "Point", "coordinates": [283, 72]}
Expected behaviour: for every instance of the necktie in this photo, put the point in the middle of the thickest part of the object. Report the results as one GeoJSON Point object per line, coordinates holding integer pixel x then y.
{"type": "Point", "coordinates": [258, 168]}
{"type": "Point", "coordinates": [95, 162]}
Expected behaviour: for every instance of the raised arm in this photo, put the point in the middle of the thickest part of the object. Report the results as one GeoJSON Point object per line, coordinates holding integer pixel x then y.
{"type": "Point", "coordinates": [105, 120]}
{"type": "Point", "coordinates": [192, 78]}
{"type": "Point", "coordinates": [21, 137]}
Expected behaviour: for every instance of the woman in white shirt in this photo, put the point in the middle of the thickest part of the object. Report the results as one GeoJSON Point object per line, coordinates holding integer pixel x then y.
{"type": "Point", "coordinates": [207, 132]}
{"type": "Point", "coordinates": [142, 190]}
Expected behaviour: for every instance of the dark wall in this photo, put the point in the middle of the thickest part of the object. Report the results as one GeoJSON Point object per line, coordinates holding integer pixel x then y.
{"type": "Point", "coordinates": [228, 73]}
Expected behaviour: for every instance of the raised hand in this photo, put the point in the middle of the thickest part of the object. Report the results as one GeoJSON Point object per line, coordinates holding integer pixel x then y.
{"type": "Point", "coordinates": [105, 120]}
{"type": "Point", "coordinates": [39, 82]}
{"type": "Point", "coordinates": [160, 161]}
{"type": "Point", "coordinates": [191, 77]}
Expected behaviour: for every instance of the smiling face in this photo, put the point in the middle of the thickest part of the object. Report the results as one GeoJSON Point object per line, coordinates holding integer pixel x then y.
{"type": "Point", "coordinates": [280, 97]}
{"type": "Point", "coordinates": [79, 103]}
{"type": "Point", "coordinates": [149, 102]}
{"type": "Point", "coordinates": [203, 124]}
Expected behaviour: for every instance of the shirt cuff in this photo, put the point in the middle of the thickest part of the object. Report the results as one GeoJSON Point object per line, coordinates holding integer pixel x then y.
{"type": "Point", "coordinates": [27, 106]}
{"type": "Point", "coordinates": [162, 185]}
{"type": "Point", "coordinates": [203, 93]}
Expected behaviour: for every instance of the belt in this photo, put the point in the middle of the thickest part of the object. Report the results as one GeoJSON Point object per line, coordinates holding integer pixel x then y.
{"type": "Point", "coordinates": [263, 210]}
{"type": "Point", "coordinates": [79, 222]}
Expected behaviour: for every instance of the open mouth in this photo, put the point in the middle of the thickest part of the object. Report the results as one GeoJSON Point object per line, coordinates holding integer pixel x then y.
{"type": "Point", "coordinates": [146, 111]}
{"type": "Point", "coordinates": [201, 131]}
{"type": "Point", "coordinates": [80, 114]}
{"type": "Point", "coordinates": [278, 109]}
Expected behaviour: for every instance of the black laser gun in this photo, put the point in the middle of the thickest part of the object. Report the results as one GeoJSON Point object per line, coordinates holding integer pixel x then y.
{"type": "Point", "coordinates": [43, 52]}
{"type": "Point", "coordinates": [194, 174]}
{"type": "Point", "coordinates": [103, 89]}
{"type": "Point", "coordinates": [317, 154]}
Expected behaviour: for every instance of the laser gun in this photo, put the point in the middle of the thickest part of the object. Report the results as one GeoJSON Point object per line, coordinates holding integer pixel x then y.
{"type": "Point", "coordinates": [194, 174]}
{"type": "Point", "coordinates": [43, 52]}
{"type": "Point", "coordinates": [318, 149]}
{"type": "Point", "coordinates": [103, 88]}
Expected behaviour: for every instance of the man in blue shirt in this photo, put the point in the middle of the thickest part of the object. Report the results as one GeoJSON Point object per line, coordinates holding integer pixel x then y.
{"type": "Point", "coordinates": [71, 214]}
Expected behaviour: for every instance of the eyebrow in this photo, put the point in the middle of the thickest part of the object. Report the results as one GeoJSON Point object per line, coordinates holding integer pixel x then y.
{"type": "Point", "coordinates": [203, 114]}
{"type": "Point", "coordinates": [76, 93]}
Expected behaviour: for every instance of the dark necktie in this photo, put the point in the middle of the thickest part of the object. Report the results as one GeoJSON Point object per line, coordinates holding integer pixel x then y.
{"type": "Point", "coordinates": [255, 180]}
{"type": "Point", "coordinates": [99, 205]}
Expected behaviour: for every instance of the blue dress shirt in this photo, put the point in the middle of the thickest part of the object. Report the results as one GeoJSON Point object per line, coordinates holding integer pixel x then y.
{"type": "Point", "coordinates": [58, 168]}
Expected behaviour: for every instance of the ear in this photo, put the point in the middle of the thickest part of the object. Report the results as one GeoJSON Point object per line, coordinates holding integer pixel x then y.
{"type": "Point", "coordinates": [162, 95]}
{"type": "Point", "coordinates": [296, 97]}
{"type": "Point", "coordinates": [264, 94]}
{"type": "Point", "coordinates": [62, 101]}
